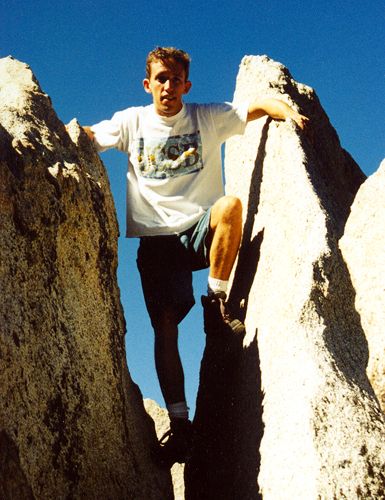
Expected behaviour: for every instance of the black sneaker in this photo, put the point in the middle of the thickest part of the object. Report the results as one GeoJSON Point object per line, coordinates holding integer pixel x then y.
{"type": "Point", "coordinates": [175, 445]}
{"type": "Point", "coordinates": [216, 315]}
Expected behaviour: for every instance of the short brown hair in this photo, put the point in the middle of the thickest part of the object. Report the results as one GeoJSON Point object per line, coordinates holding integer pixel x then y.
{"type": "Point", "coordinates": [168, 55]}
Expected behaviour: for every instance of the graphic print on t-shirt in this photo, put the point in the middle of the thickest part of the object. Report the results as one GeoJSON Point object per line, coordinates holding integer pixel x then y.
{"type": "Point", "coordinates": [161, 158]}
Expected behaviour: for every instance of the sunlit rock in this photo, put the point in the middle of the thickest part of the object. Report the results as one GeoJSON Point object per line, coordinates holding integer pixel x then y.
{"type": "Point", "coordinates": [318, 432]}
{"type": "Point", "coordinates": [363, 247]}
{"type": "Point", "coordinates": [72, 423]}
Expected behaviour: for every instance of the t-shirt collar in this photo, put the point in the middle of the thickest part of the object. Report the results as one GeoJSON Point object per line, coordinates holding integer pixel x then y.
{"type": "Point", "coordinates": [169, 120]}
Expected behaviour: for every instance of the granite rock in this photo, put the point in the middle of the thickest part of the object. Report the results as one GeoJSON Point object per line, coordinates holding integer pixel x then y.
{"type": "Point", "coordinates": [162, 424]}
{"type": "Point", "coordinates": [295, 409]}
{"type": "Point", "coordinates": [363, 248]}
{"type": "Point", "coordinates": [72, 422]}
{"type": "Point", "coordinates": [285, 412]}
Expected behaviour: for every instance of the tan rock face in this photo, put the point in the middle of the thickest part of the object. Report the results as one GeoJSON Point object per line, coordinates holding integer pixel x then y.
{"type": "Point", "coordinates": [363, 248]}
{"type": "Point", "coordinates": [287, 412]}
{"type": "Point", "coordinates": [72, 423]}
{"type": "Point", "coordinates": [162, 424]}
{"type": "Point", "coordinates": [321, 426]}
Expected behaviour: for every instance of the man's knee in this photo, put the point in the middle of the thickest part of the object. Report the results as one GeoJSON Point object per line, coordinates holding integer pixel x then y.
{"type": "Point", "coordinates": [227, 209]}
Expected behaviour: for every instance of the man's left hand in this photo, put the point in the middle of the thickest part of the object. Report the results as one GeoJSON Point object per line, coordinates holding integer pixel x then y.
{"type": "Point", "coordinates": [301, 120]}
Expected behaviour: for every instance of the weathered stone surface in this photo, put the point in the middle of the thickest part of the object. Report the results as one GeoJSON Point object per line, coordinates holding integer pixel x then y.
{"type": "Point", "coordinates": [162, 424]}
{"type": "Point", "coordinates": [72, 423]}
{"type": "Point", "coordinates": [363, 248]}
{"type": "Point", "coordinates": [321, 426]}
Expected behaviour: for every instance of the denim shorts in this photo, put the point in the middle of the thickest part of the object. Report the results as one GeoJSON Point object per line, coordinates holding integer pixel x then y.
{"type": "Point", "coordinates": [166, 264]}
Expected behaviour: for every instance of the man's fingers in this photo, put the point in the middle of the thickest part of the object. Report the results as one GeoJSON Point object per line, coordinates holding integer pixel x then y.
{"type": "Point", "coordinates": [302, 121]}
{"type": "Point", "coordinates": [305, 125]}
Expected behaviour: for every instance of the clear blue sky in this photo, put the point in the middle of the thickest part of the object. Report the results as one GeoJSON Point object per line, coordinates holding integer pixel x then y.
{"type": "Point", "coordinates": [89, 57]}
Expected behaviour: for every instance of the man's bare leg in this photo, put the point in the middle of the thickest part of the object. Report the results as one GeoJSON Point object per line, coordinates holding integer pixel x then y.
{"type": "Point", "coordinates": [224, 236]}
{"type": "Point", "coordinates": [171, 379]}
{"type": "Point", "coordinates": [167, 360]}
{"type": "Point", "coordinates": [224, 239]}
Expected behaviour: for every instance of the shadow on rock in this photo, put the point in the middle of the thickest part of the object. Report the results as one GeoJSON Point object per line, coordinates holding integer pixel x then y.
{"type": "Point", "coordinates": [227, 422]}
{"type": "Point", "coordinates": [228, 419]}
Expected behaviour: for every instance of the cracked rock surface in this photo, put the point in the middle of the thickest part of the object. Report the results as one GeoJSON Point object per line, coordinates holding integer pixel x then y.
{"type": "Point", "coordinates": [72, 422]}
{"type": "Point", "coordinates": [294, 414]}
{"type": "Point", "coordinates": [363, 247]}
{"type": "Point", "coordinates": [286, 412]}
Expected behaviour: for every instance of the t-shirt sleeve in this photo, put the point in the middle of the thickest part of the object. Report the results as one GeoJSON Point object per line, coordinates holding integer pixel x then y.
{"type": "Point", "coordinates": [229, 119]}
{"type": "Point", "coordinates": [111, 133]}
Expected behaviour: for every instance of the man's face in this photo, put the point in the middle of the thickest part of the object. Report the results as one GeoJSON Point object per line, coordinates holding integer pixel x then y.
{"type": "Point", "coordinates": [167, 84]}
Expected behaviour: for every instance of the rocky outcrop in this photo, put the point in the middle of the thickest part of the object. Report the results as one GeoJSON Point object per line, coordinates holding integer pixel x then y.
{"type": "Point", "coordinates": [286, 412]}
{"type": "Point", "coordinates": [363, 248]}
{"type": "Point", "coordinates": [293, 414]}
{"type": "Point", "coordinates": [72, 423]}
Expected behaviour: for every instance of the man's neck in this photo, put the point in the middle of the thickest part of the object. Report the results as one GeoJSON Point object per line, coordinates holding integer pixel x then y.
{"type": "Point", "coordinates": [165, 114]}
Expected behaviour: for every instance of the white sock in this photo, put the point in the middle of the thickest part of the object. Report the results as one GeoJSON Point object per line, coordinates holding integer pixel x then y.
{"type": "Point", "coordinates": [178, 410]}
{"type": "Point", "coordinates": [217, 285]}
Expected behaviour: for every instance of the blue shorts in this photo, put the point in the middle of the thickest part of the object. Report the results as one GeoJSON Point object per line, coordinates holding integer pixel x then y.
{"type": "Point", "coordinates": [166, 264]}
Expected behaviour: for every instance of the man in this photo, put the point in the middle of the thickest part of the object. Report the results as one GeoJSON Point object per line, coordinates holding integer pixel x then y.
{"type": "Point", "coordinates": [175, 204]}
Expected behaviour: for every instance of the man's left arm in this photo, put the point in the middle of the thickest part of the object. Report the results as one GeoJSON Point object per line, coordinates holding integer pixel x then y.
{"type": "Point", "coordinates": [276, 109]}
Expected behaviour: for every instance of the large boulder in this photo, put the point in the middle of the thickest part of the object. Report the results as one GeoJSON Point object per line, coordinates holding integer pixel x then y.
{"type": "Point", "coordinates": [72, 422]}
{"type": "Point", "coordinates": [363, 247]}
{"type": "Point", "coordinates": [292, 403]}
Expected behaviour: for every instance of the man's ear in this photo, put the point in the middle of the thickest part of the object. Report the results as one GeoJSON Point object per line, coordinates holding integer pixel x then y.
{"type": "Point", "coordinates": [146, 85]}
{"type": "Point", "coordinates": [187, 87]}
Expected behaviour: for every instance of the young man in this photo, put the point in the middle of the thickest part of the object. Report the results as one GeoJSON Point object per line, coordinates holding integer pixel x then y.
{"type": "Point", "coordinates": [175, 204]}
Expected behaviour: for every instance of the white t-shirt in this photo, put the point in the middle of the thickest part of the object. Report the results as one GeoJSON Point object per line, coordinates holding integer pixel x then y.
{"type": "Point", "coordinates": [174, 163]}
